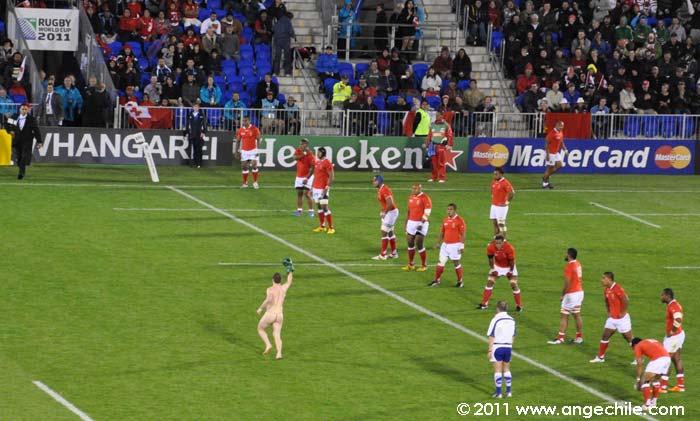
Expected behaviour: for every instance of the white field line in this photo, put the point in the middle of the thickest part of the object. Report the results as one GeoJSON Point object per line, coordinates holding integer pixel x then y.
{"type": "Point", "coordinates": [426, 187]}
{"type": "Point", "coordinates": [399, 298]}
{"type": "Point", "coordinates": [346, 265]}
{"type": "Point", "coordinates": [626, 215]}
{"type": "Point", "coordinates": [195, 210]}
{"type": "Point", "coordinates": [604, 214]}
{"type": "Point", "coordinates": [682, 267]}
{"type": "Point", "coordinates": [60, 399]}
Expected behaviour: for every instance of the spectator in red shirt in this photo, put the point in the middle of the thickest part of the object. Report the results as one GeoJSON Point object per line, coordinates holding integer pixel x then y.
{"type": "Point", "coordinates": [174, 15]}
{"type": "Point", "coordinates": [147, 26]}
{"type": "Point", "coordinates": [526, 80]}
{"type": "Point", "coordinates": [128, 27]}
{"type": "Point", "coordinates": [190, 10]}
{"type": "Point", "coordinates": [135, 7]}
{"type": "Point", "coordinates": [263, 28]}
{"type": "Point", "coordinates": [443, 64]}
{"type": "Point", "coordinates": [190, 39]}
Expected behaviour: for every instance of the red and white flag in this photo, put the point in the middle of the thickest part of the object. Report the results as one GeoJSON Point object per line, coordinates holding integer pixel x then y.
{"type": "Point", "coordinates": [20, 74]}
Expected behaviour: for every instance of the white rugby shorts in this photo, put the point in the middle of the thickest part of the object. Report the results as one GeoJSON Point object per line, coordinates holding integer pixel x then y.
{"type": "Point", "coordinates": [389, 220]}
{"type": "Point", "coordinates": [658, 366]}
{"type": "Point", "coordinates": [251, 155]}
{"type": "Point", "coordinates": [412, 228]}
{"type": "Point", "coordinates": [302, 183]}
{"type": "Point", "coordinates": [675, 342]}
{"type": "Point", "coordinates": [503, 271]}
{"type": "Point", "coordinates": [554, 158]}
{"type": "Point", "coordinates": [622, 325]}
{"type": "Point", "coordinates": [498, 212]}
{"type": "Point", "coordinates": [571, 303]}
{"type": "Point", "coordinates": [318, 194]}
{"type": "Point", "coordinates": [451, 251]}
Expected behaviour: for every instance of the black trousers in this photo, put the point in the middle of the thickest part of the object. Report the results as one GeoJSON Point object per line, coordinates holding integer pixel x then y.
{"type": "Point", "coordinates": [196, 144]}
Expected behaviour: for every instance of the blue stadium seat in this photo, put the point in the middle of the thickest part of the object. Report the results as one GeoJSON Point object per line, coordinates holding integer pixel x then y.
{"type": "Point", "coordinates": [220, 80]}
{"type": "Point", "coordinates": [245, 65]}
{"type": "Point", "coordinates": [361, 68]}
{"type": "Point", "coordinates": [203, 15]}
{"type": "Point", "coordinates": [180, 118]}
{"type": "Point", "coordinates": [281, 98]}
{"type": "Point", "coordinates": [262, 49]}
{"type": "Point", "coordinates": [145, 79]}
{"type": "Point", "coordinates": [135, 48]}
{"type": "Point", "coordinates": [247, 33]}
{"type": "Point", "coordinates": [379, 102]}
{"type": "Point", "coordinates": [633, 126]}
{"type": "Point", "coordinates": [236, 87]}
{"type": "Point", "coordinates": [688, 128]}
{"type": "Point", "coordinates": [463, 85]}
{"type": "Point", "coordinates": [345, 68]}
{"type": "Point", "coordinates": [240, 16]}
{"type": "Point", "coordinates": [433, 101]}
{"type": "Point", "coordinates": [246, 53]}
{"type": "Point", "coordinates": [214, 4]}
{"type": "Point", "coordinates": [248, 76]}
{"type": "Point", "coordinates": [139, 96]}
{"type": "Point", "coordinates": [142, 64]}
{"type": "Point", "coordinates": [383, 122]}
{"type": "Point", "coordinates": [115, 47]}
{"type": "Point", "coordinates": [18, 98]}
{"type": "Point", "coordinates": [220, 13]}
{"type": "Point", "coordinates": [328, 86]}
{"type": "Point", "coordinates": [669, 125]}
{"type": "Point", "coordinates": [650, 126]}
{"type": "Point", "coordinates": [392, 99]}
{"type": "Point", "coordinates": [445, 84]}
{"type": "Point", "coordinates": [652, 21]}
{"type": "Point", "coordinates": [245, 98]}
{"type": "Point", "coordinates": [420, 69]}
{"type": "Point", "coordinates": [496, 40]}
{"type": "Point", "coordinates": [2, 27]}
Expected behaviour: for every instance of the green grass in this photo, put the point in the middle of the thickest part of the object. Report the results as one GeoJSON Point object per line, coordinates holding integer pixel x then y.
{"type": "Point", "coordinates": [128, 314]}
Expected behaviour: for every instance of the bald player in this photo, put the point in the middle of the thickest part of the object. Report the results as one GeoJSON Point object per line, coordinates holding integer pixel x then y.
{"type": "Point", "coordinates": [273, 303]}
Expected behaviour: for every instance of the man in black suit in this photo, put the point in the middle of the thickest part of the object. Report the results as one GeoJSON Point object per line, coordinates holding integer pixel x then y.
{"type": "Point", "coordinates": [195, 131]}
{"type": "Point", "coordinates": [24, 130]}
{"type": "Point", "coordinates": [50, 112]}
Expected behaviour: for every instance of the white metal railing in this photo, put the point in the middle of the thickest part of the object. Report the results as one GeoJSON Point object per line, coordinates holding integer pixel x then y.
{"type": "Point", "coordinates": [434, 37]}
{"type": "Point", "coordinates": [390, 123]}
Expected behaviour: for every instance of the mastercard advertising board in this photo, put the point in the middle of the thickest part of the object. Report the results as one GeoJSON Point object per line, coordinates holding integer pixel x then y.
{"type": "Point", "coordinates": [588, 156]}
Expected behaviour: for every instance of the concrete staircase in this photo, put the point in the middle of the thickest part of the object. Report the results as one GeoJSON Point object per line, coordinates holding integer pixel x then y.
{"type": "Point", "coordinates": [307, 23]}
{"type": "Point", "coordinates": [309, 32]}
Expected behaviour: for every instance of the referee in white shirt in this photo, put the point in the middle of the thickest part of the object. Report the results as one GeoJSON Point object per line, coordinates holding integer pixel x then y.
{"type": "Point", "coordinates": [501, 335]}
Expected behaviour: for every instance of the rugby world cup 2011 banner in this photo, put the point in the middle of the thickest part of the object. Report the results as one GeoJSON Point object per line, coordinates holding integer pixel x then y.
{"type": "Point", "coordinates": [168, 147]}
{"type": "Point", "coordinates": [47, 29]}
{"type": "Point", "coordinates": [585, 156]}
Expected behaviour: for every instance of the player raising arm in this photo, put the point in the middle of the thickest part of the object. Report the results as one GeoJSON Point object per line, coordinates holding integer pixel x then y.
{"type": "Point", "coordinates": [501, 257]}
{"type": "Point", "coordinates": [274, 301]}
{"type": "Point", "coordinates": [419, 208]}
{"type": "Point", "coordinates": [555, 150]}
{"type": "Point", "coordinates": [571, 298]}
{"type": "Point", "coordinates": [320, 190]}
{"type": "Point", "coordinates": [305, 170]}
{"type": "Point", "coordinates": [451, 243]}
{"type": "Point", "coordinates": [389, 214]}
{"type": "Point", "coordinates": [673, 342]}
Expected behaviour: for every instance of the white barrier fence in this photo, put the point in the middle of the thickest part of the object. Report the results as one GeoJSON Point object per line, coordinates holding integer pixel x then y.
{"type": "Point", "coordinates": [391, 123]}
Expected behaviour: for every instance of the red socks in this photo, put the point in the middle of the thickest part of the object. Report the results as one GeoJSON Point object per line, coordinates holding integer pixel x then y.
{"type": "Point", "coordinates": [603, 347]}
